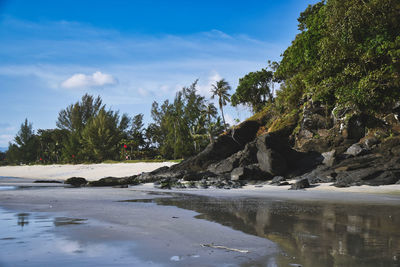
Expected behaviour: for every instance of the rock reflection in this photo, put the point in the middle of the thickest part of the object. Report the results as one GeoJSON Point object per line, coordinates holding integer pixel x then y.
{"type": "Point", "coordinates": [62, 221]}
{"type": "Point", "coordinates": [310, 233]}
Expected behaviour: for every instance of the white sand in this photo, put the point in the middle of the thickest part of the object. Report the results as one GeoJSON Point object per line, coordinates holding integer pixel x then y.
{"type": "Point", "coordinates": [89, 171]}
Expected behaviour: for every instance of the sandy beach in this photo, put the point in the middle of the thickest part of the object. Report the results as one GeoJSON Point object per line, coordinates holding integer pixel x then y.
{"type": "Point", "coordinates": [88, 171]}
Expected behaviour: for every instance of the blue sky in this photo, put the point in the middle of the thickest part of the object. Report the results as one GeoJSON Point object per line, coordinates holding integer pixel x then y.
{"type": "Point", "coordinates": [130, 52]}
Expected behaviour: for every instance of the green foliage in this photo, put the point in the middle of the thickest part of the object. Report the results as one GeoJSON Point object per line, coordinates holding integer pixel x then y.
{"type": "Point", "coordinates": [285, 124]}
{"type": "Point", "coordinates": [346, 54]}
{"type": "Point", "coordinates": [254, 90]}
{"type": "Point", "coordinates": [101, 135]}
{"type": "Point", "coordinates": [184, 127]}
{"type": "Point", "coordinates": [26, 145]}
{"type": "Point", "coordinates": [75, 116]}
{"type": "Point", "coordinates": [51, 143]}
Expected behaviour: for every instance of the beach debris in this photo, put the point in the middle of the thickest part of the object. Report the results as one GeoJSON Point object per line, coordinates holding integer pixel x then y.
{"type": "Point", "coordinates": [226, 248]}
{"type": "Point", "coordinates": [175, 258]}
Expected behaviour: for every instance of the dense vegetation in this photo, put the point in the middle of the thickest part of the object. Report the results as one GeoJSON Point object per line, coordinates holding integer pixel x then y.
{"type": "Point", "coordinates": [89, 132]}
{"type": "Point", "coordinates": [346, 56]}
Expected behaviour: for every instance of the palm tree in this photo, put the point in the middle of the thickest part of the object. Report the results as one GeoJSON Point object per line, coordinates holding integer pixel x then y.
{"type": "Point", "coordinates": [220, 89]}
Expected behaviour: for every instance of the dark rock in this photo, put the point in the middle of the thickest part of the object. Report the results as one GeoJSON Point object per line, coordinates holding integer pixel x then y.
{"type": "Point", "coordinates": [197, 176]}
{"type": "Point", "coordinates": [225, 145]}
{"type": "Point", "coordinates": [47, 182]}
{"type": "Point", "coordinates": [385, 178]}
{"type": "Point", "coordinates": [109, 181]}
{"type": "Point", "coordinates": [250, 172]}
{"type": "Point", "coordinates": [149, 177]}
{"type": "Point", "coordinates": [76, 181]}
{"type": "Point", "coordinates": [321, 174]}
{"type": "Point", "coordinates": [277, 180]}
{"type": "Point", "coordinates": [301, 162]}
{"type": "Point", "coordinates": [269, 159]}
{"type": "Point", "coordinates": [356, 127]}
{"type": "Point", "coordinates": [272, 162]}
{"type": "Point", "coordinates": [160, 170]}
{"type": "Point", "coordinates": [241, 158]}
{"type": "Point", "coordinates": [374, 173]}
{"type": "Point", "coordinates": [283, 183]}
{"type": "Point", "coordinates": [301, 184]}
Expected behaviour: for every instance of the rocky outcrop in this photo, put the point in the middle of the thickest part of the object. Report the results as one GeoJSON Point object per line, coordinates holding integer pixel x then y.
{"type": "Point", "coordinates": [225, 145]}
{"type": "Point", "coordinates": [343, 148]}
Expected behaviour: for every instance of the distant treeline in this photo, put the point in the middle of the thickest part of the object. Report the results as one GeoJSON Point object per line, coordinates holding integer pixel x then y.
{"type": "Point", "coordinates": [346, 57]}
{"type": "Point", "coordinates": [89, 132]}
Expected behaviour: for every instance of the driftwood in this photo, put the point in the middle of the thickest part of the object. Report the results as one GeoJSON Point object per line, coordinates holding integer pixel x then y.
{"type": "Point", "coordinates": [226, 248]}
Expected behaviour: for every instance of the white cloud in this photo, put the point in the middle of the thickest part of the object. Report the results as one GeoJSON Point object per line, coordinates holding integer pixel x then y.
{"type": "Point", "coordinates": [97, 79]}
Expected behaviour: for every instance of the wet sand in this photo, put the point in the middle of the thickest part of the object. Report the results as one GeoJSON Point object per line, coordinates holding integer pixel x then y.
{"type": "Point", "coordinates": [153, 227]}
{"type": "Point", "coordinates": [164, 236]}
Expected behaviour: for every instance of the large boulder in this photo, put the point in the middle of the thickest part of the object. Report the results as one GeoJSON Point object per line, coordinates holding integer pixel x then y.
{"type": "Point", "coordinates": [76, 181]}
{"type": "Point", "coordinates": [226, 144]}
{"type": "Point", "coordinates": [271, 151]}
{"type": "Point", "coordinates": [241, 158]}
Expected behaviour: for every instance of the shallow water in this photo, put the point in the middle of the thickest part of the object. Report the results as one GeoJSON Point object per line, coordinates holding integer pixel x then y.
{"type": "Point", "coordinates": [32, 239]}
{"type": "Point", "coordinates": [309, 233]}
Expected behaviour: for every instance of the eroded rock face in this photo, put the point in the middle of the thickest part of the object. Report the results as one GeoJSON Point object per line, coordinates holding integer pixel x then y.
{"type": "Point", "coordinates": [270, 150]}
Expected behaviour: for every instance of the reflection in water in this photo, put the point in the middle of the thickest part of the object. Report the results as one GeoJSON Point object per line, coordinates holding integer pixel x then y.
{"type": "Point", "coordinates": [23, 219]}
{"type": "Point", "coordinates": [62, 221]}
{"type": "Point", "coordinates": [310, 233]}
{"type": "Point", "coordinates": [37, 244]}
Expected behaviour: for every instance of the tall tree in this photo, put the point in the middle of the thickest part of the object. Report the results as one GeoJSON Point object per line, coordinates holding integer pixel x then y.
{"type": "Point", "coordinates": [75, 116]}
{"type": "Point", "coordinates": [220, 89]}
{"type": "Point", "coordinates": [254, 90]}
{"type": "Point", "coordinates": [26, 144]}
{"type": "Point", "coordinates": [101, 136]}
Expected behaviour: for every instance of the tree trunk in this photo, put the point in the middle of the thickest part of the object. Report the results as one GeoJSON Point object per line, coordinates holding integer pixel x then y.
{"type": "Point", "coordinates": [223, 118]}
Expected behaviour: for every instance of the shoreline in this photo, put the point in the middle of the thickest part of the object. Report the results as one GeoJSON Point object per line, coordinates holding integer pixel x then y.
{"type": "Point", "coordinates": [90, 172]}
{"type": "Point", "coordinates": [93, 172]}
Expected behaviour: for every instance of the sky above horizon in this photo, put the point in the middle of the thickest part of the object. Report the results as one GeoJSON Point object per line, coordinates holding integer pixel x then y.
{"type": "Point", "coordinates": [131, 53]}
